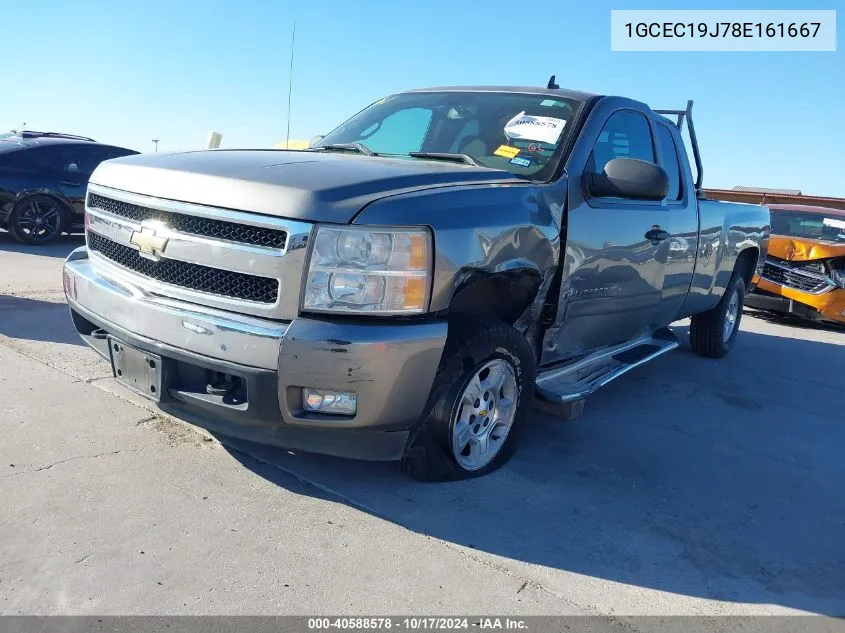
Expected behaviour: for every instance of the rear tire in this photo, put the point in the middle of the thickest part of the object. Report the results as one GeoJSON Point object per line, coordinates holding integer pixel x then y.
{"type": "Point", "coordinates": [478, 404]}
{"type": "Point", "coordinates": [712, 333]}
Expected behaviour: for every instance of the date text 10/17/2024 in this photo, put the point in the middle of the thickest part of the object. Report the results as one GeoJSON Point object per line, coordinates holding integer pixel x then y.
{"type": "Point", "coordinates": [417, 623]}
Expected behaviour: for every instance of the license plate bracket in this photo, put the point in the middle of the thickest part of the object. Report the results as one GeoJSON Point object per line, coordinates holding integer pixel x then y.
{"type": "Point", "coordinates": [136, 369]}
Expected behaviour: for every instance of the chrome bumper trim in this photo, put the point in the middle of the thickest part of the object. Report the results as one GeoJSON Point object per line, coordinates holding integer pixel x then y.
{"type": "Point", "coordinates": [213, 333]}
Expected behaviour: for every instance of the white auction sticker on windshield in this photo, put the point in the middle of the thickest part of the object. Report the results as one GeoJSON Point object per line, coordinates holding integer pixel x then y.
{"type": "Point", "coordinates": [545, 129]}
{"type": "Point", "coordinates": [836, 224]}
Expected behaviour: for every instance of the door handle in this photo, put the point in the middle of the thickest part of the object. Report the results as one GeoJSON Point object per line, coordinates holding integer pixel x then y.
{"type": "Point", "coordinates": [657, 235]}
{"type": "Point", "coordinates": [68, 183]}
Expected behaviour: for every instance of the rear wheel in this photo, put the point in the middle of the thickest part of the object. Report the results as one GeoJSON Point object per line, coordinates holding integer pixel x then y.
{"type": "Point", "coordinates": [37, 220]}
{"type": "Point", "coordinates": [478, 404]}
{"type": "Point", "coordinates": [713, 333]}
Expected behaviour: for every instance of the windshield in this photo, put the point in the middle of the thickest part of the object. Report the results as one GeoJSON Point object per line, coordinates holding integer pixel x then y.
{"type": "Point", "coordinates": [521, 133]}
{"type": "Point", "coordinates": [816, 226]}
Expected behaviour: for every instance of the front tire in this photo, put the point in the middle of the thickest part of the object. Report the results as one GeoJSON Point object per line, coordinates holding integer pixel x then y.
{"type": "Point", "coordinates": [478, 405]}
{"type": "Point", "coordinates": [37, 220]}
{"type": "Point", "coordinates": [712, 333]}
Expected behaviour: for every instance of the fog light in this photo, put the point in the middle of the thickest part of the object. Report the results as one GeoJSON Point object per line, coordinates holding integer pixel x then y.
{"type": "Point", "coordinates": [327, 401]}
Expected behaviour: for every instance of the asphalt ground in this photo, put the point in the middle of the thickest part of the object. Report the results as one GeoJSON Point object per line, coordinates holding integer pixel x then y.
{"type": "Point", "coordinates": [689, 486]}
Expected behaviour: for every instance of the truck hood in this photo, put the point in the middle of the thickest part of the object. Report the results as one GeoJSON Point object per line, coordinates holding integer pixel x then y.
{"type": "Point", "coordinates": [802, 249]}
{"type": "Point", "coordinates": [315, 186]}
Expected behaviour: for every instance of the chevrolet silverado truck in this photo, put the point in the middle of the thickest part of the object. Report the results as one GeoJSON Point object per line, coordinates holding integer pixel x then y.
{"type": "Point", "coordinates": [406, 287]}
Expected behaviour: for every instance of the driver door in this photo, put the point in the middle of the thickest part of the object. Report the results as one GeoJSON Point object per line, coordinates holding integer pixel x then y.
{"type": "Point", "coordinates": [616, 249]}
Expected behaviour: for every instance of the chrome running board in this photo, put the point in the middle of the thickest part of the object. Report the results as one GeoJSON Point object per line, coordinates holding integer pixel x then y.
{"type": "Point", "coordinates": [579, 379]}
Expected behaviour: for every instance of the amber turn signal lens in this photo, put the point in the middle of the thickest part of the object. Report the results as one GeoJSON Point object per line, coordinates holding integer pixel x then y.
{"type": "Point", "coordinates": [419, 257]}
{"type": "Point", "coordinates": [414, 293]}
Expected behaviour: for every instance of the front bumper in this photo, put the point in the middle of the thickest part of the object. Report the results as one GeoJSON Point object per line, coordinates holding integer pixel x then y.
{"type": "Point", "coordinates": [391, 367]}
{"type": "Point", "coordinates": [826, 307]}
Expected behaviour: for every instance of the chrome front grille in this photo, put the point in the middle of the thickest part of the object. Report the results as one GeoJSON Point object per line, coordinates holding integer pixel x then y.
{"type": "Point", "coordinates": [231, 260]}
{"type": "Point", "coordinates": [797, 275]}
{"type": "Point", "coordinates": [186, 275]}
{"type": "Point", "coordinates": [206, 227]}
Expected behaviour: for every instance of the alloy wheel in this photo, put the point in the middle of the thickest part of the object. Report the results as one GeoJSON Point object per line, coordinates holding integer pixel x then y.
{"type": "Point", "coordinates": [731, 316]}
{"type": "Point", "coordinates": [39, 220]}
{"type": "Point", "coordinates": [484, 415]}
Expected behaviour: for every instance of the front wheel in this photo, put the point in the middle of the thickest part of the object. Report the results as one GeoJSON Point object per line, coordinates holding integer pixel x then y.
{"type": "Point", "coordinates": [37, 220]}
{"type": "Point", "coordinates": [713, 333]}
{"type": "Point", "coordinates": [478, 404]}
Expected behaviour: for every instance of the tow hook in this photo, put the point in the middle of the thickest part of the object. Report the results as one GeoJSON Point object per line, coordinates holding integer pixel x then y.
{"type": "Point", "coordinates": [224, 385]}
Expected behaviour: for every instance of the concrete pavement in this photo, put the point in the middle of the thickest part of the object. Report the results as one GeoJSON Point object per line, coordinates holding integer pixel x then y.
{"type": "Point", "coordinates": [690, 486]}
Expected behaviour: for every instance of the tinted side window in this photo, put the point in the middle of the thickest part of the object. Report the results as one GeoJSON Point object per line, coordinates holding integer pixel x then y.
{"type": "Point", "coordinates": [625, 135]}
{"type": "Point", "coordinates": [81, 158]}
{"type": "Point", "coordinates": [49, 157]}
{"type": "Point", "coordinates": [94, 156]}
{"type": "Point", "coordinates": [74, 159]}
{"type": "Point", "coordinates": [669, 154]}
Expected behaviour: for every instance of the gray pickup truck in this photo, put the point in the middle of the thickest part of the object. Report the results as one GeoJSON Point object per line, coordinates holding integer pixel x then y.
{"type": "Point", "coordinates": [409, 285]}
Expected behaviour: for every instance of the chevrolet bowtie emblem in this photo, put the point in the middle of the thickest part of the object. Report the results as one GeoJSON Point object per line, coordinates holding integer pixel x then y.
{"type": "Point", "coordinates": [149, 244]}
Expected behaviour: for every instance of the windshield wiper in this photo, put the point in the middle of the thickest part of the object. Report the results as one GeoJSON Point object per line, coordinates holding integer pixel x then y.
{"type": "Point", "coordinates": [455, 158]}
{"type": "Point", "coordinates": [344, 147]}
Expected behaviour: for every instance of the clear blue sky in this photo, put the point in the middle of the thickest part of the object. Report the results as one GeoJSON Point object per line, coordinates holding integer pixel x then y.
{"type": "Point", "coordinates": [128, 72]}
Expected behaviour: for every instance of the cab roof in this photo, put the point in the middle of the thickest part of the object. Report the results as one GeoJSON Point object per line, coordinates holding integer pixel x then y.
{"type": "Point", "coordinates": [550, 92]}
{"type": "Point", "coordinates": [29, 137]}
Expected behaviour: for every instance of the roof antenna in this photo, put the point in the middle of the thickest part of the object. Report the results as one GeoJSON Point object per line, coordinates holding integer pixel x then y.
{"type": "Point", "coordinates": [552, 85]}
{"type": "Point", "coordinates": [290, 83]}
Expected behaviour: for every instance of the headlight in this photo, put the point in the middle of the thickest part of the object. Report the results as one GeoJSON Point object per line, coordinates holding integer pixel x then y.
{"type": "Point", "coordinates": [367, 270]}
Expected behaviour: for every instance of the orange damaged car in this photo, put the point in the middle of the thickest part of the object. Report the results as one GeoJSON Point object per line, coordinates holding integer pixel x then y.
{"type": "Point", "coordinates": [804, 274]}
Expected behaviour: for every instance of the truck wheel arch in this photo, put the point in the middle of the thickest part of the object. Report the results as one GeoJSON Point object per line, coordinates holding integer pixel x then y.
{"type": "Point", "coordinates": [503, 296]}
{"type": "Point", "coordinates": [747, 261]}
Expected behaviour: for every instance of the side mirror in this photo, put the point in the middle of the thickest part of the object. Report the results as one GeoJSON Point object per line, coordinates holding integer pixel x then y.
{"type": "Point", "coordinates": [629, 178]}
{"type": "Point", "coordinates": [316, 139]}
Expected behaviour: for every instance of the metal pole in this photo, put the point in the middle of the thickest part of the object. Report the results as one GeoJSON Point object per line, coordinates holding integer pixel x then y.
{"type": "Point", "coordinates": [699, 178]}
{"type": "Point", "coordinates": [290, 82]}
{"type": "Point", "coordinates": [155, 142]}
